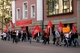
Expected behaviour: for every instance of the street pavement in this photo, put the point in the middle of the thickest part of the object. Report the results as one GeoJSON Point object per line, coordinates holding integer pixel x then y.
{"type": "Point", "coordinates": [26, 47]}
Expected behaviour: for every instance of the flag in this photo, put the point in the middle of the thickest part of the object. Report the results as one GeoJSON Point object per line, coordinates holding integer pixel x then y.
{"type": "Point", "coordinates": [50, 24]}
{"type": "Point", "coordinates": [34, 33]}
{"type": "Point", "coordinates": [36, 30]}
{"type": "Point", "coordinates": [47, 30]}
{"type": "Point", "coordinates": [5, 30]}
{"type": "Point", "coordinates": [23, 28]}
{"type": "Point", "coordinates": [60, 26]}
{"type": "Point", "coordinates": [6, 26]}
{"type": "Point", "coordinates": [74, 28]}
{"type": "Point", "coordinates": [12, 25]}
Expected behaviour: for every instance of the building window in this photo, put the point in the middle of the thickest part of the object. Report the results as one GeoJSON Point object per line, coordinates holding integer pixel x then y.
{"type": "Point", "coordinates": [18, 14]}
{"type": "Point", "coordinates": [55, 7]}
{"type": "Point", "coordinates": [25, 10]}
{"type": "Point", "coordinates": [33, 11]}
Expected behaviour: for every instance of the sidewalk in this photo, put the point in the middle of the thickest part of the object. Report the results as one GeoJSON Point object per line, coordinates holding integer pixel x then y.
{"type": "Point", "coordinates": [51, 41]}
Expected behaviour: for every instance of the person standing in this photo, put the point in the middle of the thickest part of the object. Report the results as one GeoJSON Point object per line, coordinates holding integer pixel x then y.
{"type": "Point", "coordinates": [4, 36]}
{"type": "Point", "coordinates": [76, 42]}
{"type": "Point", "coordinates": [44, 38]}
{"type": "Point", "coordinates": [57, 37]}
{"type": "Point", "coordinates": [54, 37]}
{"type": "Point", "coordinates": [24, 36]}
{"type": "Point", "coordinates": [14, 35]}
{"type": "Point", "coordinates": [47, 37]}
{"type": "Point", "coordinates": [38, 37]}
{"type": "Point", "coordinates": [19, 35]}
{"type": "Point", "coordinates": [30, 37]}
{"type": "Point", "coordinates": [8, 35]}
{"type": "Point", "coordinates": [66, 39]}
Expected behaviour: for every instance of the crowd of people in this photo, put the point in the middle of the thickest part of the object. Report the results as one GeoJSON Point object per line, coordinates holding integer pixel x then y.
{"type": "Point", "coordinates": [69, 39]}
{"type": "Point", "coordinates": [16, 36]}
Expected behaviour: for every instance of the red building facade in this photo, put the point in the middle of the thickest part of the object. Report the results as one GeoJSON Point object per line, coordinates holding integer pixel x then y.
{"type": "Point", "coordinates": [67, 17]}
{"type": "Point", "coordinates": [42, 11]}
{"type": "Point", "coordinates": [28, 3]}
{"type": "Point", "coordinates": [26, 10]}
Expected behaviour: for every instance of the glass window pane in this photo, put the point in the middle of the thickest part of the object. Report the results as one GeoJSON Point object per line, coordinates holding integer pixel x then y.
{"type": "Point", "coordinates": [18, 14]}
{"type": "Point", "coordinates": [58, 6]}
{"type": "Point", "coordinates": [25, 6]}
{"type": "Point", "coordinates": [25, 14]}
{"type": "Point", "coordinates": [25, 10]}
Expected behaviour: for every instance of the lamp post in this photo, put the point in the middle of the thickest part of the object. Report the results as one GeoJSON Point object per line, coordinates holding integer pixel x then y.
{"type": "Point", "coordinates": [43, 19]}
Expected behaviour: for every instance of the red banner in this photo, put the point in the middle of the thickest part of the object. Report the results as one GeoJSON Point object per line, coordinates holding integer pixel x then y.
{"type": "Point", "coordinates": [12, 25]}
{"type": "Point", "coordinates": [23, 28]}
{"type": "Point", "coordinates": [23, 23]}
{"type": "Point", "coordinates": [5, 30]}
{"type": "Point", "coordinates": [74, 28]}
{"type": "Point", "coordinates": [60, 27]}
{"type": "Point", "coordinates": [6, 26]}
{"type": "Point", "coordinates": [50, 24]}
{"type": "Point", "coordinates": [47, 32]}
{"type": "Point", "coordinates": [36, 30]}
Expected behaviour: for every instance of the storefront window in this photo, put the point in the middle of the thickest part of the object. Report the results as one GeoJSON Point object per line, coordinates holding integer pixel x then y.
{"type": "Point", "coordinates": [55, 7]}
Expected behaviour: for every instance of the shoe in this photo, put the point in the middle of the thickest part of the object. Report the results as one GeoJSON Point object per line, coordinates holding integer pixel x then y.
{"type": "Point", "coordinates": [53, 43]}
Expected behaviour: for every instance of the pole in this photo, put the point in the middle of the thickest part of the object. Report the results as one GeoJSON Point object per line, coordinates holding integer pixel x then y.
{"type": "Point", "coordinates": [43, 18]}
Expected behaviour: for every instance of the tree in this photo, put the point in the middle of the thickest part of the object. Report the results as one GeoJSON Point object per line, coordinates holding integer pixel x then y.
{"type": "Point", "coordinates": [5, 12]}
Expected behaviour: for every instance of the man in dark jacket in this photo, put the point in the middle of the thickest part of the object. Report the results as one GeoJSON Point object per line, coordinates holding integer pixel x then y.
{"type": "Point", "coordinates": [76, 39]}
{"type": "Point", "coordinates": [14, 35]}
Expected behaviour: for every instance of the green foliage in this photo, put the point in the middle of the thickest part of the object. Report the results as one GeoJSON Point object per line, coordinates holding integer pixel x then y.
{"type": "Point", "coordinates": [5, 10]}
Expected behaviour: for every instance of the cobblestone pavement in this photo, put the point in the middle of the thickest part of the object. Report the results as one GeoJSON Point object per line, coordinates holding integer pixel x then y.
{"type": "Point", "coordinates": [26, 47]}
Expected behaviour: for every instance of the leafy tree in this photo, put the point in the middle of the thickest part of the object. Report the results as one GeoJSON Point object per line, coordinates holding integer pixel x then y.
{"type": "Point", "coordinates": [5, 11]}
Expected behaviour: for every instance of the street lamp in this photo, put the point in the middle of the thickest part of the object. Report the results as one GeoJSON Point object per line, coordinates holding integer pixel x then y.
{"type": "Point", "coordinates": [43, 19]}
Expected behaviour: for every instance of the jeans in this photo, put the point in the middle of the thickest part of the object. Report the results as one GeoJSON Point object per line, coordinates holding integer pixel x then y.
{"type": "Point", "coordinates": [76, 41]}
{"type": "Point", "coordinates": [8, 37]}
{"type": "Point", "coordinates": [14, 38]}
{"type": "Point", "coordinates": [54, 39]}
{"type": "Point", "coordinates": [72, 42]}
{"type": "Point", "coordinates": [66, 42]}
{"type": "Point", "coordinates": [38, 39]}
{"type": "Point", "coordinates": [30, 39]}
{"type": "Point", "coordinates": [24, 39]}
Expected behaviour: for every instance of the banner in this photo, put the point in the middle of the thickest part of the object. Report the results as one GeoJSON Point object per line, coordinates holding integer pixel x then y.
{"type": "Point", "coordinates": [74, 28]}
{"type": "Point", "coordinates": [47, 31]}
{"type": "Point", "coordinates": [12, 25]}
{"type": "Point", "coordinates": [60, 27]}
{"type": "Point", "coordinates": [50, 24]}
{"type": "Point", "coordinates": [6, 26]}
{"type": "Point", "coordinates": [5, 30]}
{"type": "Point", "coordinates": [36, 30]}
{"type": "Point", "coordinates": [66, 29]}
{"type": "Point", "coordinates": [23, 23]}
{"type": "Point", "coordinates": [23, 28]}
